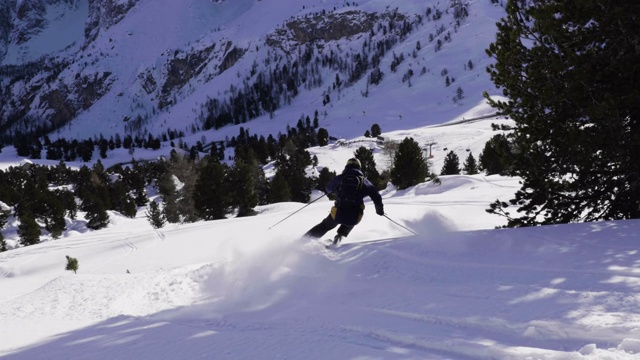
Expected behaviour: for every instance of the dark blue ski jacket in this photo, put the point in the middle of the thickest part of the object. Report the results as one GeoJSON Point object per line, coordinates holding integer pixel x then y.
{"type": "Point", "coordinates": [351, 216]}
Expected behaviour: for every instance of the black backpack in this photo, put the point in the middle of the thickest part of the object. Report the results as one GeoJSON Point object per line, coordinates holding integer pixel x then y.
{"type": "Point", "coordinates": [347, 194]}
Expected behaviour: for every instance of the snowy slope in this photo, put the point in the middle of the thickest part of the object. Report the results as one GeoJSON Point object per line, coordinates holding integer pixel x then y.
{"type": "Point", "coordinates": [235, 289]}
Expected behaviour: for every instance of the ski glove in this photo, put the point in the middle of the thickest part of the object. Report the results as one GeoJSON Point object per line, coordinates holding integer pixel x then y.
{"type": "Point", "coordinates": [379, 210]}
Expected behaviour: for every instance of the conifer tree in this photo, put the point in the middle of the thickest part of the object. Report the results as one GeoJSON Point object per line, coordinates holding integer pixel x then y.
{"type": "Point", "coordinates": [167, 188]}
{"type": "Point", "coordinates": [136, 183]}
{"type": "Point", "coordinates": [368, 165]}
{"type": "Point", "coordinates": [28, 230]}
{"type": "Point", "coordinates": [96, 212]}
{"type": "Point", "coordinates": [375, 130]}
{"type": "Point", "coordinates": [324, 178]}
{"type": "Point", "coordinates": [409, 165]}
{"type": "Point", "coordinates": [293, 162]}
{"type": "Point", "coordinates": [570, 71]}
{"type": "Point", "coordinates": [185, 171]}
{"type": "Point", "coordinates": [82, 180]}
{"type": "Point", "coordinates": [470, 166]}
{"type": "Point", "coordinates": [72, 264]}
{"type": "Point", "coordinates": [245, 197]}
{"type": "Point", "coordinates": [212, 191]}
{"type": "Point", "coordinates": [3, 222]}
{"type": "Point", "coordinates": [155, 216]}
{"type": "Point", "coordinates": [323, 137]}
{"type": "Point", "coordinates": [121, 201]}
{"type": "Point", "coordinates": [496, 156]}
{"type": "Point", "coordinates": [279, 190]}
{"type": "Point", "coordinates": [451, 164]}
{"type": "Point", "coordinates": [244, 179]}
{"type": "Point", "coordinates": [54, 221]}
{"type": "Point", "coordinates": [68, 200]}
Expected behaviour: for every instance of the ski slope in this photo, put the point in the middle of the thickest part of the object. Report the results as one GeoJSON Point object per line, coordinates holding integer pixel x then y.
{"type": "Point", "coordinates": [233, 289]}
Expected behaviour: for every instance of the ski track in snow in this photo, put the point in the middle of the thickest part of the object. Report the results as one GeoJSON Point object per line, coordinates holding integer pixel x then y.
{"type": "Point", "coordinates": [555, 292]}
{"type": "Point", "coordinates": [233, 290]}
{"type": "Point", "coordinates": [428, 297]}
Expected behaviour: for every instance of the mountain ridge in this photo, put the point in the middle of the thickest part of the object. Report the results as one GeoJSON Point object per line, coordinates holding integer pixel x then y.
{"type": "Point", "coordinates": [131, 75]}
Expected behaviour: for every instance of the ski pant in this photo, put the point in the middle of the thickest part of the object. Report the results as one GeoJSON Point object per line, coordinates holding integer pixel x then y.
{"type": "Point", "coordinates": [330, 222]}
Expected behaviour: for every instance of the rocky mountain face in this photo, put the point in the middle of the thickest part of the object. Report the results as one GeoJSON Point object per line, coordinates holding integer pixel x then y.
{"type": "Point", "coordinates": [46, 94]}
{"type": "Point", "coordinates": [29, 19]}
{"type": "Point", "coordinates": [5, 27]}
{"type": "Point", "coordinates": [103, 14]}
{"type": "Point", "coordinates": [20, 20]}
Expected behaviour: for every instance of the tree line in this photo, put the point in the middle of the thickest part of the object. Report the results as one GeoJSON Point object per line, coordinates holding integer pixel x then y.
{"type": "Point", "coordinates": [72, 150]}
{"type": "Point", "coordinates": [45, 199]}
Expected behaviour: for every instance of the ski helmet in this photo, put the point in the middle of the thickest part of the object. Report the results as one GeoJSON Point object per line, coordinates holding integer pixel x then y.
{"type": "Point", "coordinates": [354, 163]}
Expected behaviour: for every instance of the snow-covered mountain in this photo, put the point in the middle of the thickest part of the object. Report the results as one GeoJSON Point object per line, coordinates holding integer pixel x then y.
{"type": "Point", "coordinates": [85, 68]}
{"type": "Point", "coordinates": [242, 288]}
{"type": "Point", "coordinates": [25, 25]}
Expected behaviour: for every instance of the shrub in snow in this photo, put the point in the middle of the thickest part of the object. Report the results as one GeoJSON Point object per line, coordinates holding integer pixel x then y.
{"type": "Point", "coordinates": [72, 264]}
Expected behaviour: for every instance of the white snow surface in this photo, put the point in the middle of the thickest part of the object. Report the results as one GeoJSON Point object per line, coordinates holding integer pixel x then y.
{"type": "Point", "coordinates": [243, 288]}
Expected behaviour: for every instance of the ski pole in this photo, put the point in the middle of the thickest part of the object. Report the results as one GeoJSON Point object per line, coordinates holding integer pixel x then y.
{"type": "Point", "coordinates": [309, 203]}
{"type": "Point", "coordinates": [402, 226]}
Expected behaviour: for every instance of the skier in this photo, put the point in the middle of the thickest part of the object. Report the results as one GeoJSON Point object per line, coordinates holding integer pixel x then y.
{"type": "Point", "coordinates": [350, 187]}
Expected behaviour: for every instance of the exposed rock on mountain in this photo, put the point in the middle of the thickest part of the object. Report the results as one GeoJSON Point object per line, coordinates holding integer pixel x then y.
{"type": "Point", "coordinates": [30, 19]}
{"type": "Point", "coordinates": [124, 61]}
{"type": "Point", "coordinates": [103, 14]}
{"type": "Point", "coordinates": [5, 27]}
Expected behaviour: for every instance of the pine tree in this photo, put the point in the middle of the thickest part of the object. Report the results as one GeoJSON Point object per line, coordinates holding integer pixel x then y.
{"type": "Point", "coordinates": [29, 230]}
{"type": "Point", "coordinates": [136, 183]}
{"type": "Point", "coordinates": [279, 190]}
{"type": "Point", "coordinates": [496, 156]}
{"type": "Point", "coordinates": [121, 201]}
{"type": "Point", "coordinates": [212, 193]}
{"type": "Point", "coordinates": [72, 264]}
{"type": "Point", "coordinates": [96, 212]}
{"type": "Point", "coordinates": [155, 216]}
{"type": "Point", "coordinates": [3, 222]}
{"type": "Point", "coordinates": [451, 164]}
{"type": "Point", "coordinates": [68, 200]}
{"type": "Point", "coordinates": [323, 137]}
{"type": "Point", "coordinates": [368, 165]}
{"type": "Point", "coordinates": [55, 222]}
{"type": "Point", "coordinates": [243, 177]}
{"type": "Point", "coordinates": [167, 188]}
{"type": "Point", "coordinates": [570, 71]}
{"type": "Point", "coordinates": [409, 165]}
{"type": "Point", "coordinates": [324, 178]}
{"type": "Point", "coordinates": [375, 130]}
{"type": "Point", "coordinates": [185, 171]}
{"type": "Point", "coordinates": [470, 166]}
{"type": "Point", "coordinates": [293, 162]}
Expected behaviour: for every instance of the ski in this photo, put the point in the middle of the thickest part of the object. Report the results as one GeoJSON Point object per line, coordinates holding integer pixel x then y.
{"type": "Point", "coordinates": [328, 243]}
